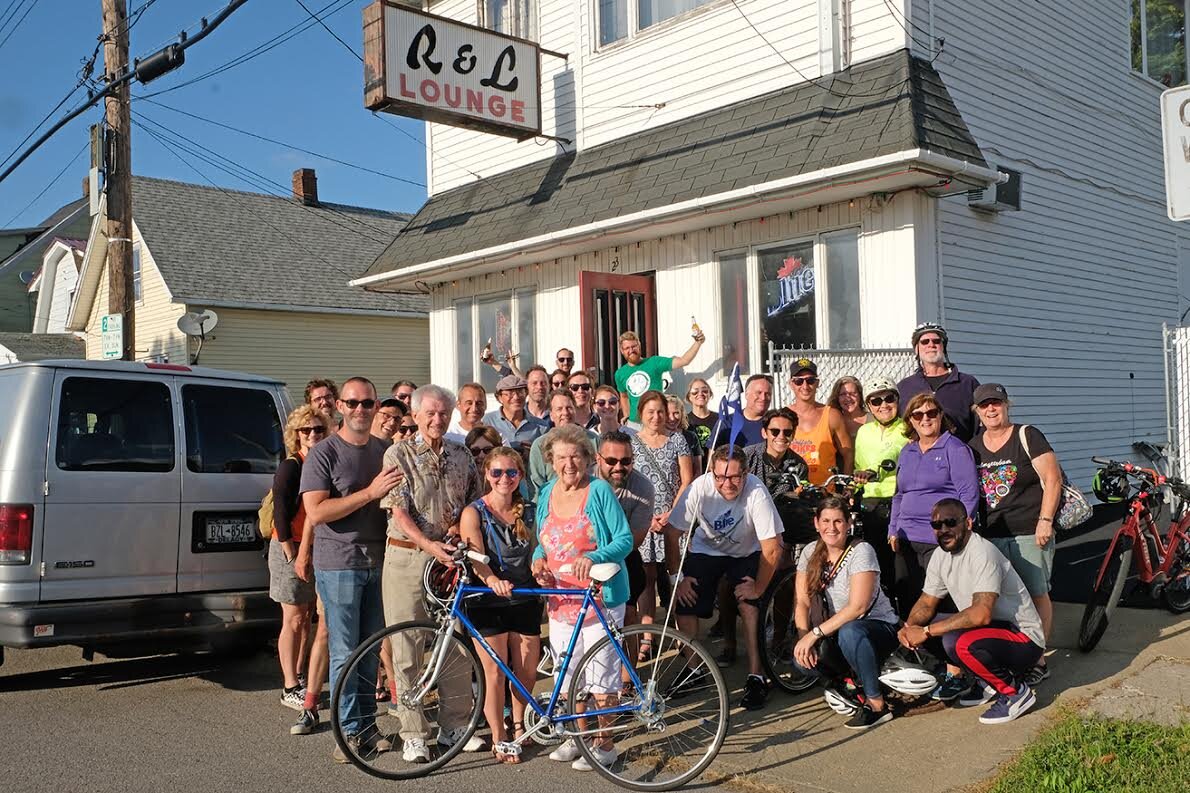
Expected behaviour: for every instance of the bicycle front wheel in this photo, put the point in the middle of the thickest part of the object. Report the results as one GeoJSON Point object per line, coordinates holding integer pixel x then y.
{"type": "Point", "coordinates": [1177, 590]}
{"type": "Point", "coordinates": [1105, 594]}
{"type": "Point", "coordinates": [778, 634]}
{"type": "Point", "coordinates": [680, 714]}
{"type": "Point", "coordinates": [429, 705]}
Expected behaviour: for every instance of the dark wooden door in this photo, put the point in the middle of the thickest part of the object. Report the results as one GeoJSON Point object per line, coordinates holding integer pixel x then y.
{"type": "Point", "coordinates": [611, 304]}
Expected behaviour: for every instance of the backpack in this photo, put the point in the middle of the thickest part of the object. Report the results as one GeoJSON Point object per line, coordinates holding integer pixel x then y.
{"type": "Point", "coordinates": [264, 515]}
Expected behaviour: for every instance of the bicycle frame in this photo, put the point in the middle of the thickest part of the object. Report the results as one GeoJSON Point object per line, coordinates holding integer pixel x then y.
{"type": "Point", "coordinates": [1140, 526]}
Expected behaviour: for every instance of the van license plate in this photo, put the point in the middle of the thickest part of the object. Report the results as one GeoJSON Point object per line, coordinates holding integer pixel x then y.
{"type": "Point", "coordinates": [230, 531]}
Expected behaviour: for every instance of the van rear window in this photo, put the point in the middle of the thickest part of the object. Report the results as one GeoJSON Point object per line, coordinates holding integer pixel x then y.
{"type": "Point", "coordinates": [231, 430]}
{"type": "Point", "coordinates": [106, 424]}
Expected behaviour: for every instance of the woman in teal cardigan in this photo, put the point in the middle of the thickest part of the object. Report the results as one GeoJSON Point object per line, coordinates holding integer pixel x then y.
{"type": "Point", "coordinates": [579, 524]}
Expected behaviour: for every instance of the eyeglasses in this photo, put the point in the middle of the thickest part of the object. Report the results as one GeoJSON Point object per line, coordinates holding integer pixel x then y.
{"type": "Point", "coordinates": [480, 451]}
{"type": "Point", "coordinates": [949, 523]}
{"type": "Point", "coordinates": [385, 418]}
{"type": "Point", "coordinates": [352, 404]}
{"type": "Point", "coordinates": [614, 461]}
{"type": "Point", "coordinates": [565, 360]}
{"type": "Point", "coordinates": [497, 473]}
{"type": "Point", "coordinates": [613, 401]}
{"type": "Point", "coordinates": [780, 432]}
{"type": "Point", "coordinates": [804, 380]}
{"type": "Point", "coordinates": [721, 478]}
{"type": "Point", "coordinates": [406, 429]}
{"type": "Point", "coordinates": [876, 401]}
{"type": "Point", "coordinates": [921, 415]}
{"type": "Point", "coordinates": [312, 430]}
{"type": "Point", "coordinates": [580, 386]}
{"type": "Point", "coordinates": [932, 341]}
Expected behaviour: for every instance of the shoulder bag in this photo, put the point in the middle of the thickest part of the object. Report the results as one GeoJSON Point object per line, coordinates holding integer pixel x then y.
{"type": "Point", "coordinates": [1073, 507]}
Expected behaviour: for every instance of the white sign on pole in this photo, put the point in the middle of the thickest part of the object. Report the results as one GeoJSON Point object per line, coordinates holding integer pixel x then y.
{"type": "Point", "coordinates": [441, 70]}
{"type": "Point", "coordinates": [1175, 131]}
{"type": "Point", "coordinates": [111, 328]}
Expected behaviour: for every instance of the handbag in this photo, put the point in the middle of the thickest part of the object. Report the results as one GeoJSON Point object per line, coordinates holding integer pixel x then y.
{"type": "Point", "coordinates": [1073, 507]}
{"type": "Point", "coordinates": [820, 610]}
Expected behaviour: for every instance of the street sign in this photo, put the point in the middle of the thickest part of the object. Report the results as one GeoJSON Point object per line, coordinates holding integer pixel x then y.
{"type": "Point", "coordinates": [111, 328]}
{"type": "Point", "coordinates": [1175, 131]}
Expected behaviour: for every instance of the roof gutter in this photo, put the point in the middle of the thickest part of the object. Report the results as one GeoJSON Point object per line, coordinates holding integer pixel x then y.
{"type": "Point", "coordinates": [299, 309]}
{"type": "Point", "coordinates": [694, 207]}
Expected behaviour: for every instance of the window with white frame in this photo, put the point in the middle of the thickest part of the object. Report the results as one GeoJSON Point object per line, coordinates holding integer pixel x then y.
{"type": "Point", "coordinates": [1159, 40]}
{"type": "Point", "coordinates": [508, 320]}
{"type": "Point", "coordinates": [137, 289]}
{"type": "Point", "coordinates": [618, 19]}
{"type": "Point", "coordinates": [514, 17]}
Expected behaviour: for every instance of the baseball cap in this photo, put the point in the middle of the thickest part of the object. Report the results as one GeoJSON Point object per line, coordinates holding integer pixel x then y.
{"type": "Point", "coordinates": [989, 391]}
{"type": "Point", "coordinates": [803, 365]}
{"type": "Point", "coordinates": [510, 382]}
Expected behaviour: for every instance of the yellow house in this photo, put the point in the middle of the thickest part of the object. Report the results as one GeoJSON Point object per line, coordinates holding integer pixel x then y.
{"type": "Point", "coordinates": [275, 272]}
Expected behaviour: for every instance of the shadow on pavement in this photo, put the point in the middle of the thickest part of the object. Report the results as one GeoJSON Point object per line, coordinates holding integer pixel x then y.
{"type": "Point", "coordinates": [235, 674]}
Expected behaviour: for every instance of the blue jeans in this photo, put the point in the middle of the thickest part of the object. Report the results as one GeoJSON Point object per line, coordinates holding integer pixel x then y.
{"type": "Point", "coordinates": [858, 648]}
{"type": "Point", "coordinates": [351, 600]}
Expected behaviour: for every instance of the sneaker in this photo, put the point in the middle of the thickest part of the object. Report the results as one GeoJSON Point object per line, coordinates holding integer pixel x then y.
{"type": "Point", "coordinates": [689, 681]}
{"type": "Point", "coordinates": [755, 693]}
{"type": "Point", "coordinates": [604, 757]}
{"type": "Point", "coordinates": [302, 682]}
{"type": "Point", "coordinates": [449, 738]}
{"type": "Point", "coordinates": [307, 723]}
{"type": "Point", "coordinates": [1006, 708]}
{"type": "Point", "coordinates": [294, 698]}
{"type": "Point", "coordinates": [1038, 673]}
{"type": "Point", "coordinates": [725, 658]}
{"type": "Point", "coordinates": [978, 694]}
{"type": "Point", "coordinates": [950, 689]}
{"type": "Point", "coordinates": [369, 747]}
{"type": "Point", "coordinates": [567, 752]}
{"type": "Point", "coordinates": [415, 751]}
{"type": "Point", "coordinates": [866, 717]}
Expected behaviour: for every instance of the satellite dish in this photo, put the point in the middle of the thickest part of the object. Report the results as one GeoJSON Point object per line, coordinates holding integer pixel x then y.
{"type": "Point", "coordinates": [198, 323]}
{"type": "Point", "coordinates": [26, 276]}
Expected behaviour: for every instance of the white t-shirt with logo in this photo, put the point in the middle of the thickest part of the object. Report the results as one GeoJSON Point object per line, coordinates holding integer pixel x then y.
{"type": "Point", "coordinates": [726, 528]}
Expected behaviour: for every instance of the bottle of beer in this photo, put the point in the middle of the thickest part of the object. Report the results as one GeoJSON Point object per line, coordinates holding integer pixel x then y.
{"type": "Point", "coordinates": [486, 355]}
{"type": "Point", "coordinates": [694, 329]}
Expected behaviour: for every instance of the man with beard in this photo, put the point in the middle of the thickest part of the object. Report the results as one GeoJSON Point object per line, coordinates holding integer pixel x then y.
{"type": "Point", "coordinates": [635, 493]}
{"type": "Point", "coordinates": [640, 374]}
{"type": "Point", "coordinates": [954, 390]}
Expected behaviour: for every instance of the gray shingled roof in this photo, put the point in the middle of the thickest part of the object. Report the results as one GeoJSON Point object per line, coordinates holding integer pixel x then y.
{"type": "Point", "coordinates": [43, 346]}
{"type": "Point", "coordinates": [882, 106]}
{"type": "Point", "coordinates": [215, 245]}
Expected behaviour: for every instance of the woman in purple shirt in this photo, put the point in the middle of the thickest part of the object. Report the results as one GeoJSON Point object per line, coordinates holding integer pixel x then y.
{"type": "Point", "coordinates": [934, 465]}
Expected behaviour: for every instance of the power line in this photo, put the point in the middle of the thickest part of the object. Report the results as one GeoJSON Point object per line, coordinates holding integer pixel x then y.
{"type": "Point", "coordinates": [134, 16]}
{"type": "Point", "coordinates": [13, 29]}
{"type": "Point", "coordinates": [53, 182]}
{"type": "Point", "coordinates": [897, 17]}
{"type": "Point", "coordinates": [326, 27]}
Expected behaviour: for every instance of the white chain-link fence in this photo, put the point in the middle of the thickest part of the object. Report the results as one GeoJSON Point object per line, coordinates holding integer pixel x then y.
{"type": "Point", "coordinates": [866, 365]}
{"type": "Point", "coordinates": [1177, 398]}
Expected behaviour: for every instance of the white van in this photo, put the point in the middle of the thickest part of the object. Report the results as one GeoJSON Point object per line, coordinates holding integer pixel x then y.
{"type": "Point", "coordinates": [128, 500]}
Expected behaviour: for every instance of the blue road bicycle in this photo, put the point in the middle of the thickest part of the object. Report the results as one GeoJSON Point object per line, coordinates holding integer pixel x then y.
{"type": "Point", "coordinates": [667, 722]}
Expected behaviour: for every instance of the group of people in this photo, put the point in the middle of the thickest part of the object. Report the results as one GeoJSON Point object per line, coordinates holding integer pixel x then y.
{"type": "Point", "coordinates": [954, 557]}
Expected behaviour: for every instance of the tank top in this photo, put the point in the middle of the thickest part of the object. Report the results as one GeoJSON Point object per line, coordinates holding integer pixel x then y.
{"type": "Point", "coordinates": [510, 556]}
{"type": "Point", "coordinates": [564, 541]}
{"type": "Point", "coordinates": [816, 446]}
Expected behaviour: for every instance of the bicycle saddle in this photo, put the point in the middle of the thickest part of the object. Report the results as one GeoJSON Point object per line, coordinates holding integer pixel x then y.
{"type": "Point", "coordinates": [604, 571]}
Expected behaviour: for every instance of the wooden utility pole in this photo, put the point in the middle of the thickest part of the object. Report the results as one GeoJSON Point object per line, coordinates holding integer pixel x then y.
{"type": "Point", "coordinates": [118, 175]}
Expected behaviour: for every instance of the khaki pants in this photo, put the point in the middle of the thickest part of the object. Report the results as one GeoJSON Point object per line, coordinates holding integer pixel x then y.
{"type": "Point", "coordinates": [401, 588]}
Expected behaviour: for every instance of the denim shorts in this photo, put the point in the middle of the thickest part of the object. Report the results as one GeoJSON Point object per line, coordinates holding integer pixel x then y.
{"type": "Point", "coordinates": [1034, 565]}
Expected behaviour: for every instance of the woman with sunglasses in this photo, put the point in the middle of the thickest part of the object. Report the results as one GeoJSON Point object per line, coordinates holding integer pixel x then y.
{"type": "Point", "coordinates": [606, 407]}
{"type": "Point", "coordinates": [500, 523]}
{"type": "Point", "coordinates": [847, 397]}
{"type": "Point", "coordinates": [675, 421]}
{"type": "Point", "coordinates": [581, 388]}
{"type": "Point", "coordinates": [822, 438]}
{"type": "Point", "coordinates": [933, 465]}
{"type": "Point", "coordinates": [700, 420]}
{"type": "Point", "coordinates": [877, 441]}
{"type": "Point", "coordinates": [303, 429]}
{"type": "Point", "coordinates": [558, 380]}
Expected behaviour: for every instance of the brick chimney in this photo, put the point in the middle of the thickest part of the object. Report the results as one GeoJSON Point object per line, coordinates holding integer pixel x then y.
{"type": "Point", "coordinates": [305, 186]}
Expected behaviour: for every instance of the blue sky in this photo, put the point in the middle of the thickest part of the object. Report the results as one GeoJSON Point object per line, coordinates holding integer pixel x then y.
{"type": "Point", "coordinates": [307, 91]}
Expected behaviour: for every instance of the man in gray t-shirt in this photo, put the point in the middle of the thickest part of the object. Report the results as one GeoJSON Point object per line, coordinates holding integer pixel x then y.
{"type": "Point", "coordinates": [635, 493]}
{"type": "Point", "coordinates": [996, 636]}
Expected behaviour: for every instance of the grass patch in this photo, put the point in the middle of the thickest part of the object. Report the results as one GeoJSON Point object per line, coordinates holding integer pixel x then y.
{"type": "Point", "coordinates": [1081, 754]}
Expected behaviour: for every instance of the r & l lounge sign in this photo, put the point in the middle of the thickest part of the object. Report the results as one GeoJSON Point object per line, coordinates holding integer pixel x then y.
{"type": "Point", "coordinates": [437, 69]}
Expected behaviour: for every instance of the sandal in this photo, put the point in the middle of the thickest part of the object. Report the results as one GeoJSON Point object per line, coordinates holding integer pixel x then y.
{"type": "Point", "coordinates": [645, 654]}
{"type": "Point", "coordinates": [382, 694]}
{"type": "Point", "coordinates": [507, 753]}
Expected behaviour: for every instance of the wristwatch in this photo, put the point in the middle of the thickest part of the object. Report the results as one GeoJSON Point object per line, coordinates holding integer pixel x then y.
{"type": "Point", "coordinates": [926, 630]}
{"type": "Point", "coordinates": [817, 631]}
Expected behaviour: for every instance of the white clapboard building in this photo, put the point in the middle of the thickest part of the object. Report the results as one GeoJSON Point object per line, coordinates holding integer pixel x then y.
{"type": "Point", "coordinates": [822, 174]}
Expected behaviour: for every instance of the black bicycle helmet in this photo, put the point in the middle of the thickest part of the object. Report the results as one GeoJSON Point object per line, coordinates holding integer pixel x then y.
{"type": "Point", "coordinates": [1111, 487]}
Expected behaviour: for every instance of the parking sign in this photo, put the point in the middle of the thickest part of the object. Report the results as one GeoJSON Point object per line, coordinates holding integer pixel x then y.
{"type": "Point", "coordinates": [111, 328]}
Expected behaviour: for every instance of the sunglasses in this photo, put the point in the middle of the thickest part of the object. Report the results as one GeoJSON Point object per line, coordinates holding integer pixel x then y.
{"type": "Point", "coordinates": [405, 429]}
{"type": "Point", "coordinates": [876, 401]}
{"type": "Point", "coordinates": [700, 392]}
{"type": "Point", "coordinates": [480, 451]}
{"type": "Point", "coordinates": [312, 430]}
{"type": "Point", "coordinates": [949, 523]}
{"type": "Point", "coordinates": [987, 403]}
{"type": "Point", "coordinates": [614, 461]}
{"type": "Point", "coordinates": [497, 473]}
{"type": "Point", "coordinates": [580, 386]}
{"type": "Point", "coordinates": [804, 380]}
{"type": "Point", "coordinates": [930, 342]}
{"type": "Point", "coordinates": [919, 415]}
{"type": "Point", "coordinates": [613, 401]}
{"type": "Point", "coordinates": [565, 360]}
{"type": "Point", "coordinates": [558, 383]}
{"type": "Point", "coordinates": [366, 404]}
{"type": "Point", "coordinates": [782, 433]}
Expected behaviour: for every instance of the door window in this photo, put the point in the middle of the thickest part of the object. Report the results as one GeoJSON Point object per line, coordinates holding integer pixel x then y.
{"type": "Point", "coordinates": [114, 425]}
{"type": "Point", "coordinates": [231, 430]}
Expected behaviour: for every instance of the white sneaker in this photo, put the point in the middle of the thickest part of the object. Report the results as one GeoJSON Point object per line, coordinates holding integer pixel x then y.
{"type": "Point", "coordinates": [415, 751]}
{"type": "Point", "coordinates": [566, 752]}
{"type": "Point", "coordinates": [449, 738]}
{"type": "Point", "coordinates": [295, 699]}
{"type": "Point", "coordinates": [604, 757]}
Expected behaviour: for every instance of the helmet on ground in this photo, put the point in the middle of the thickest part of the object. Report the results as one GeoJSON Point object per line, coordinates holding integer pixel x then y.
{"type": "Point", "coordinates": [907, 677]}
{"type": "Point", "coordinates": [879, 384]}
{"type": "Point", "coordinates": [1111, 487]}
{"type": "Point", "coordinates": [844, 706]}
{"type": "Point", "coordinates": [930, 327]}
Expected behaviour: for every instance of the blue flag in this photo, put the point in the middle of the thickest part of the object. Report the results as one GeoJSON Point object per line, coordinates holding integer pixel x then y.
{"type": "Point", "coordinates": [731, 412]}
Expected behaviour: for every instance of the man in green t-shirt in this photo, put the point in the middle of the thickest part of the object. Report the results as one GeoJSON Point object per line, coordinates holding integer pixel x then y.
{"type": "Point", "coordinates": [639, 374]}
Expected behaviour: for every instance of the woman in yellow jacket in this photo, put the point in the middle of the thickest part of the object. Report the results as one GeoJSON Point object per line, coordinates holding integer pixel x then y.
{"type": "Point", "coordinates": [876, 442]}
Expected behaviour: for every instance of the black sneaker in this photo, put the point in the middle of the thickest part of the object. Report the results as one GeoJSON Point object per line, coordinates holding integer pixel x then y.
{"type": "Point", "coordinates": [1038, 673]}
{"type": "Point", "coordinates": [307, 723]}
{"type": "Point", "coordinates": [725, 658]}
{"type": "Point", "coordinates": [951, 688]}
{"type": "Point", "coordinates": [755, 693]}
{"type": "Point", "coordinates": [865, 718]}
{"type": "Point", "coordinates": [689, 681]}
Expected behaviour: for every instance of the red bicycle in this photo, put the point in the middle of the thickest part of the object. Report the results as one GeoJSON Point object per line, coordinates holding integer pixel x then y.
{"type": "Point", "coordinates": [1163, 563]}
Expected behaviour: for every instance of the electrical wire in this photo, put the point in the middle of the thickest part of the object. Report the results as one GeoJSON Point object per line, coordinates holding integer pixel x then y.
{"type": "Point", "coordinates": [13, 29]}
{"type": "Point", "coordinates": [53, 182]}
{"type": "Point", "coordinates": [929, 41]}
{"type": "Point", "coordinates": [327, 28]}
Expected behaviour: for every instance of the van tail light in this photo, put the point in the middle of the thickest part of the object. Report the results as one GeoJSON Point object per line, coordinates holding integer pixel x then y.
{"type": "Point", "coordinates": [16, 533]}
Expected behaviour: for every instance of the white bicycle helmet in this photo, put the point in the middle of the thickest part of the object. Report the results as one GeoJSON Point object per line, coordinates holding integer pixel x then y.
{"type": "Point", "coordinates": [880, 384]}
{"type": "Point", "coordinates": [907, 677]}
{"type": "Point", "coordinates": [839, 703]}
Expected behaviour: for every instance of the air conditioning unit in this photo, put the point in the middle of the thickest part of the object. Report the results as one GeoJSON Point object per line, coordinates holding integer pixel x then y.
{"type": "Point", "coordinates": [998, 197]}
